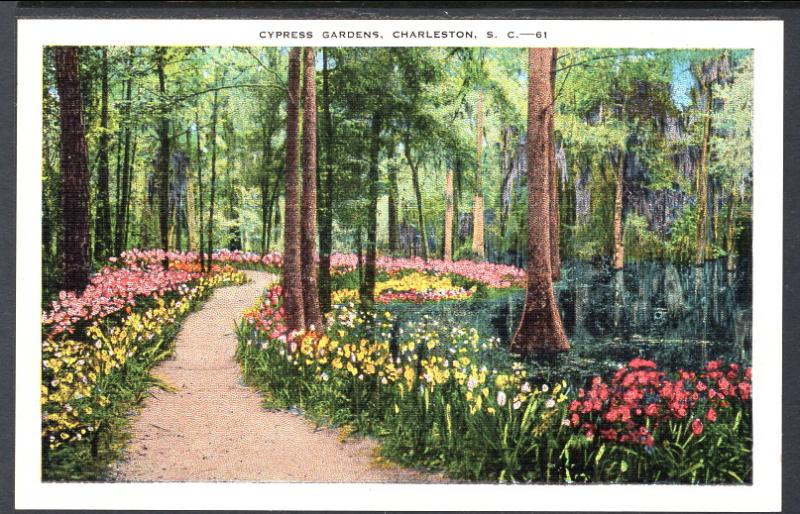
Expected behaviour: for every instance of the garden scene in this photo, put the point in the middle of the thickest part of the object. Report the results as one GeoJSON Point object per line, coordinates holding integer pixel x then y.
{"type": "Point", "coordinates": [417, 265]}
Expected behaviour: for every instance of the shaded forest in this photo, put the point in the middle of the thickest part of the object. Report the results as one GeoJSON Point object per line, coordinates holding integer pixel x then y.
{"type": "Point", "coordinates": [417, 152]}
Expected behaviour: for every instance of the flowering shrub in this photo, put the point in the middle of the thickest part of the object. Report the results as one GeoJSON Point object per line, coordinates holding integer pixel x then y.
{"type": "Point", "coordinates": [641, 400]}
{"type": "Point", "coordinates": [110, 291]}
{"type": "Point", "coordinates": [496, 276]}
{"type": "Point", "coordinates": [442, 397]}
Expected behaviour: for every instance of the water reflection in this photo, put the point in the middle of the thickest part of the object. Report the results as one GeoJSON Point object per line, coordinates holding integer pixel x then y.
{"type": "Point", "coordinates": [680, 316]}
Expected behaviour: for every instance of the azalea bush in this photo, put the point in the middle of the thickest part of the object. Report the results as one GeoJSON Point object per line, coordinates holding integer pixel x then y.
{"type": "Point", "coordinates": [443, 398]}
{"type": "Point", "coordinates": [97, 349]}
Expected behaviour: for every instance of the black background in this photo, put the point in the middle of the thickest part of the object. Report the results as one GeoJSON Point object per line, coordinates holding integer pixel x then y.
{"type": "Point", "coordinates": [787, 11]}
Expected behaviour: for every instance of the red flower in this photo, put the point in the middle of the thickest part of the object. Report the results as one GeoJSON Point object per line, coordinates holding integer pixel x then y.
{"type": "Point", "coordinates": [697, 426]}
{"type": "Point", "coordinates": [711, 415]}
{"type": "Point", "coordinates": [641, 363]}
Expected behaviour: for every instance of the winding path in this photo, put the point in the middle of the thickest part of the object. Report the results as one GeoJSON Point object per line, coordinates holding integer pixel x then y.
{"type": "Point", "coordinates": [213, 428]}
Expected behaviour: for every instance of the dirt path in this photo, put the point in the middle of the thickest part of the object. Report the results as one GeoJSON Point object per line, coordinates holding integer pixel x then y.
{"type": "Point", "coordinates": [213, 428]}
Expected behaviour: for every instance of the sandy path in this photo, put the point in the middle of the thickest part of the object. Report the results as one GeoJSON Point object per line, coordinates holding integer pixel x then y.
{"type": "Point", "coordinates": [213, 428]}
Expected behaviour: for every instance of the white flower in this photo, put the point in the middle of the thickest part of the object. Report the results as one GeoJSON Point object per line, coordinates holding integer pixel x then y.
{"type": "Point", "coordinates": [324, 377]}
{"type": "Point", "coordinates": [545, 388]}
{"type": "Point", "coordinates": [565, 422]}
{"type": "Point", "coordinates": [516, 405]}
{"type": "Point", "coordinates": [472, 383]}
{"type": "Point", "coordinates": [501, 398]}
{"type": "Point", "coordinates": [550, 403]}
{"type": "Point", "coordinates": [525, 388]}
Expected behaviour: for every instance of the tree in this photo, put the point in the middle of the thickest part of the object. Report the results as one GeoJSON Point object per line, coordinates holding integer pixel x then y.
{"type": "Point", "coordinates": [308, 208]}
{"type": "Point", "coordinates": [540, 329]}
{"type": "Point", "coordinates": [326, 218]}
{"type": "Point", "coordinates": [367, 292]}
{"type": "Point", "coordinates": [122, 209]}
{"type": "Point", "coordinates": [417, 193]}
{"type": "Point", "coordinates": [74, 171]}
{"type": "Point", "coordinates": [292, 273]}
{"type": "Point", "coordinates": [477, 204]}
{"type": "Point", "coordinates": [213, 182]}
{"type": "Point", "coordinates": [200, 188]}
{"type": "Point", "coordinates": [163, 156]}
{"type": "Point", "coordinates": [447, 247]}
{"type": "Point", "coordinates": [555, 254]}
{"type": "Point", "coordinates": [102, 237]}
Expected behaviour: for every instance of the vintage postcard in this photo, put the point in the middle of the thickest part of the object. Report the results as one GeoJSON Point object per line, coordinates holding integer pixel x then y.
{"type": "Point", "coordinates": [441, 265]}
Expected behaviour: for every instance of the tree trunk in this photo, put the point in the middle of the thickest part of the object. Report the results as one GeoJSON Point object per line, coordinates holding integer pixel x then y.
{"type": "Point", "coordinates": [264, 182]}
{"type": "Point", "coordinates": [555, 254]}
{"type": "Point", "coordinates": [102, 236]}
{"type": "Point", "coordinates": [418, 194]}
{"type": "Point", "coordinates": [701, 186]}
{"type": "Point", "coordinates": [272, 208]}
{"type": "Point", "coordinates": [212, 185]}
{"type": "Point", "coordinates": [326, 221]}
{"type": "Point", "coordinates": [308, 212]}
{"type": "Point", "coordinates": [730, 261]}
{"type": "Point", "coordinates": [74, 171]}
{"type": "Point", "coordinates": [619, 182]}
{"type": "Point", "coordinates": [292, 274]}
{"type": "Point", "coordinates": [477, 203]}
{"type": "Point", "coordinates": [392, 208]}
{"type": "Point", "coordinates": [540, 329]}
{"type": "Point", "coordinates": [129, 193]}
{"type": "Point", "coordinates": [235, 233]}
{"type": "Point", "coordinates": [191, 229]}
{"type": "Point", "coordinates": [448, 217]}
{"type": "Point", "coordinates": [122, 208]}
{"type": "Point", "coordinates": [163, 157]}
{"type": "Point", "coordinates": [200, 190]}
{"type": "Point", "coordinates": [367, 292]}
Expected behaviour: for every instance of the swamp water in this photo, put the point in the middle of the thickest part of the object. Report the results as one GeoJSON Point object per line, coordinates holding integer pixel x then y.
{"type": "Point", "coordinates": [678, 316]}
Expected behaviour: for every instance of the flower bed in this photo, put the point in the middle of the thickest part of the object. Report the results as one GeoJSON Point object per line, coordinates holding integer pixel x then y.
{"type": "Point", "coordinates": [414, 287]}
{"type": "Point", "coordinates": [495, 276]}
{"type": "Point", "coordinates": [440, 397]}
{"type": "Point", "coordinates": [97, 349]}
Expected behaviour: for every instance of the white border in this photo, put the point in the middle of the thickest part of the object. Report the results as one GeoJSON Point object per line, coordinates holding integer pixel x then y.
{"type": "Point", "coordinates": [765, 37]}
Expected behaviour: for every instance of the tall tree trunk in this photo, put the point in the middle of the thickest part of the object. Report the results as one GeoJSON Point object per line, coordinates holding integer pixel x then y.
{"type": "Point", "coordinates": [102, 236]}
{"type": "Point", "coordinates": [367, 292]}
{"type": "Point", "coordinates": [129, 194]}
{"type": "Point", "coordinates": [392, 208]}
{"type": "Point", "coordinates": [74, 170]}
{"type": "Point", "coordinates": [701, 186]}
{"type": "Point", "coordinates": [292, 274]}
{"type": "Point", "coordinates": [264, 182]}
{"type": "Point", "coordinates": [730, 262]}
{"type": "Point", "coordinates": [200, 190]}
{"type": "Point", "coordinates": [555, 254]}
{"type": "Point", "coordinates": [619, 183]}
{"type": "Point", "coordinates": [448, 216]}
{"type": "Point", "coordinates": [326, 221]}
{"type": "Point", "coordinates": [540, 329]}
{"type": "Point", "coordinates": [191, 229]}
{"type": "Point", "coordinates": [418, 194]}
{"type": "Point", "coordinates": [308, 207]}
{"type": "Point", "coordinates": [477, 203]}
{"type": "Point", "coordinates": [163, 157]}
{"type": "Point", "coordinates": [213, 184]}
{"type": "Point", "coordinates": [273, 210]}
{"type": "Point", "coordinates": [122, 208]}
{"type": "Point", "coordinates": [235, 242]}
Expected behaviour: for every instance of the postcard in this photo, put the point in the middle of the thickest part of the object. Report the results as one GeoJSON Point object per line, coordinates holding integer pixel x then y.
{"type": "Point", "coordinates": [399, 264]}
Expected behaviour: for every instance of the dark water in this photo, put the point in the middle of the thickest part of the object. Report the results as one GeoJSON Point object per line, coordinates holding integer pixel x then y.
{"type": "Point", "coordinates": [679, 316]}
